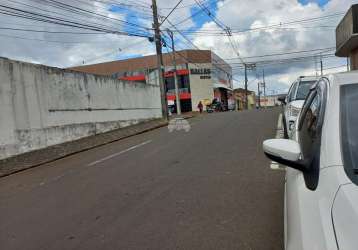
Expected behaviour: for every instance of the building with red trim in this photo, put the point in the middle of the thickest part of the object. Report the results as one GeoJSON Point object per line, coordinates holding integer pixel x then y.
{"type": "Point", "coordinates": [202, 75]}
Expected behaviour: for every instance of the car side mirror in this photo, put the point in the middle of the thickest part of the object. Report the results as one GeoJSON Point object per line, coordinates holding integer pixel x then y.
{"type": "Point", "coordinates": [282, 99]}
{"type": "Point", "coordinates": [284, 151]}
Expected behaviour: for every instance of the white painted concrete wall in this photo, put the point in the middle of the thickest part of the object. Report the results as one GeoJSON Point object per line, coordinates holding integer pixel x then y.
{"type": "Point", "coordinates": [42, 106]}
{"type": "Point", "coordinates": [200, 88]}
{"type": "Point", "coordinates": [269, 101]}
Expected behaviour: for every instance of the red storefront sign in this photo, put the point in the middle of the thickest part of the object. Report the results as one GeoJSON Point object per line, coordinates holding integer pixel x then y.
{"type": "Point", "coordinates": [180, 72]}
{"type": "Point", "coordinates": [182, 96]}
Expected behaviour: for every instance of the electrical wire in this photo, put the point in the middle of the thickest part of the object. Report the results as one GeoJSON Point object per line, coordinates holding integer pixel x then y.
{"type": "Point", "coordinates": [171, 12]}
{"type": "Point", "coordinates": [15, 12]}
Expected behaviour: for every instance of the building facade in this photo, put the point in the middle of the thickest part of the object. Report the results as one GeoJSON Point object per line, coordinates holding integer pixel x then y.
{"type": "Point", "coordinates": [240, 98]}
{"type": "Point", "coordinates": [347, 37]}
{"type": "Point", "coordinates": [269, 101]}
{"type": "Point", "coordinates": [202, 75]}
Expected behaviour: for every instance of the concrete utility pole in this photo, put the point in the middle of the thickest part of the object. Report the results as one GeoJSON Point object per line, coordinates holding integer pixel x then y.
{"type": "Point", "coordinates": [315, 65]}
{"type": "Point", "coordinates": [259, 94]}
{"type": "Point", "coordinates": [247, 66]}
{"type": "Point", "coordinates": [246, 99]}
{"type": "Point", "coordinates": [177, 96]}
{"type": "Point", "coordinates": [158, 45]}
{"type": "Point", "coordinates": [264, 83]}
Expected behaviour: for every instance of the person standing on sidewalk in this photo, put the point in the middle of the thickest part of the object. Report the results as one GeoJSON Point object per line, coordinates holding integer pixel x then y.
{"type": "Point", "coordinates": [200, 107]}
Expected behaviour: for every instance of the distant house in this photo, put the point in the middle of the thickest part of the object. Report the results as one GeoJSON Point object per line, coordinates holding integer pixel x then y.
{"type": "Point", "coordinates": [269, 101]}
{"type": "Point", "coordinates": [239, 95]}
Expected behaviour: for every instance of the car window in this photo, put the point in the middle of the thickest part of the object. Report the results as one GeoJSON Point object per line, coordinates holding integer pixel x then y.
{"type": "Point", "coordinates": [349, 129]}
{"type": "Point", "coordinates": [303, 89]}
{"type": "Point", "coordinates": [308, 129]}
{"type": "Point", "coordinates": [292, 93]}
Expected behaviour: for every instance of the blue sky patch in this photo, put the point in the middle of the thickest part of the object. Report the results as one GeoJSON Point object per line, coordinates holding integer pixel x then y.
{"type": "Point", "coordinates": [200, 16]}
{"type": "Point", "coordinates": [320, 2]}
{"type": "Point", "coordinates": [131, 17]}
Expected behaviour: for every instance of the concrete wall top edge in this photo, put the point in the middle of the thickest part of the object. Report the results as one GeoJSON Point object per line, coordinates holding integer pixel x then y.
{"type": "Point", "coordinates": [63, 71]}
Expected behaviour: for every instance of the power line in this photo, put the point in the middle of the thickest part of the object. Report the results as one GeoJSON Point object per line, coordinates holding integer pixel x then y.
{"type": "Point", "coordinates": [129, 12]}
{"type": "Point", "coordinates": [336, 67]}
{"type": "Point", "coordinates": [15, 12]}
{"type": "Point", "coordinates": [213, 33]}
{"type": "Point", "coordinates": [282, 61]}
{"type": "Point", "coordinates": [200, 11]}
{"type": "Point", "coordinates": [47, 41]}
{"type": "Point", "coordinates": [112, 51]}
{"type": "Point", "coordinates": [182, 7]}
{"type": "Point", "coordinates": [95, 13]}
{"type": "Point", "coordinates": [61, 15]}
{"type": "Point", "coordinates": [284, 53]}
{"type": "Point", "coordinates": [171, 11]}
{"type": "Point", "coordinates": [67, 9]}
{"type": "Point", "coordinates": [210, 15]}
{"type": "Point", "coordinates": [53, 32]}
{"type": "Point", "coordinates": [224, 27]}
{"type": "Point", "coordinates": [145, 9]}
{"type": "Point", "coordinates": [278, 25]}
{"type": "Point", "coordinates": [187, 59]}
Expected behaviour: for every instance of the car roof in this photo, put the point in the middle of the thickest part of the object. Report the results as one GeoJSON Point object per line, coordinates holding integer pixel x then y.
{"type": "Point", "coordinates": [308, 78]}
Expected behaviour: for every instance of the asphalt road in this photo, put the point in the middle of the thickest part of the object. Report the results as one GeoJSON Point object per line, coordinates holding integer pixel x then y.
{"type": "Point", "coordinates": [210, 188]}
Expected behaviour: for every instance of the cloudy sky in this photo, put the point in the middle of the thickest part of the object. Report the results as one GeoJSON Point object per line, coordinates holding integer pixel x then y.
{"type": "Point", "coordinates": [286, 38]}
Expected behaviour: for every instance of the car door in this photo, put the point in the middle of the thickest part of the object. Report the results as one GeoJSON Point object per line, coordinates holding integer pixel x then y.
{"type": "Point", "coordinates": [303, 218]}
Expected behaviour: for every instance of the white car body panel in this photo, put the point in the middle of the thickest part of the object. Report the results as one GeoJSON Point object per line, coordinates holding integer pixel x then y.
{"type": "Point", "coordinates": [289, 150]}
{"type": "Point", "coordinates": [345, 216]}
{"type": "Point", "coordinates": [326, 218]}
{"type": "Point", "coordinates": [308, 213]}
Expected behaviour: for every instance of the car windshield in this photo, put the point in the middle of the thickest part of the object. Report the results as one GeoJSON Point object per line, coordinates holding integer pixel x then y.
{"type": "Point", "coordinates": [349, 124]}
{"type": "Point", "coordinates": [303, 89]}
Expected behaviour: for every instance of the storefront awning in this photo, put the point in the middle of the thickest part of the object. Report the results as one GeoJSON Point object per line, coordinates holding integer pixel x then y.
{"type": "Point", "coordinates": [223, 86]}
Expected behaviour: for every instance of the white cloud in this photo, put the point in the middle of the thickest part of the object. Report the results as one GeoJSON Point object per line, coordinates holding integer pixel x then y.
{"type": "Point", "coordinates": [297, 37]}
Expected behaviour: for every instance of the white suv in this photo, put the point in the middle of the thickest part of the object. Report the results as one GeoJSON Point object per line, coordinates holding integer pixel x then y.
{"type": "Point", "coordinates": [321, 188]}
{"type": "Point", "coordinates": [294, 101]}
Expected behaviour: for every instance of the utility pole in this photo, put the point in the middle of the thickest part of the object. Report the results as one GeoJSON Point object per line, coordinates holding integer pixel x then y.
{"type": "Point", "coordinates": [315, 65]}
{"type": "Point", "coordinates": [158, 46]}
{"type": "Point", "coordinates": [246, 98]}
{"type": "Point", "coordinates": [247, 66]}
{"type": "Point", "coordinates": [177, 96]}
{"type": "Point", "coordinates": [264, 83]}
{"type": "Point", "coordinates": [259, 94]}
{"type": "Point", "coordinates": [321, 66]}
